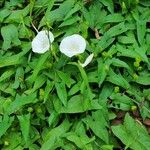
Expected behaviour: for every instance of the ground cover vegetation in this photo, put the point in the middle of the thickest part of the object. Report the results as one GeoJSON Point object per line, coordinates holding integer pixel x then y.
{"type": "Point", "coordinates": [51, 101]}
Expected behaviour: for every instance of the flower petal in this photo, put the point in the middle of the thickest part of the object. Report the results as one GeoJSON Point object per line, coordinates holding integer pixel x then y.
{"type": "Point", "coordinates": [88, 60]}
{"type": "Point", "coordinates": [73, 45]}
{"type": "Point", "coordinates": [41, 43]}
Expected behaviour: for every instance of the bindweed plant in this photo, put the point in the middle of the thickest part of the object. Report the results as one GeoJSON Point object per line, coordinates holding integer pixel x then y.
{"type": "Point", "coordinates": [74, 74]}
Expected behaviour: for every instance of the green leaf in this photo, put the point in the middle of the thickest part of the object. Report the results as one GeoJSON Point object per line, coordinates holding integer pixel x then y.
{"type": "Point", "coordinates": [61, 92]}
{"type": "Point", "coordinates": [24, 121]}
{"type": "Point", "coordinates": [76, 8]}
{"type": "Point", "coordinates": [119, 63]}
{"type": "Point", "coordinates": [79, 104]}
{"type": "Point", "coordinates": [132, 134]}
{"type": "Point", "coordinates": [10, 36]}
{"type": "Point", "coordinates": [3, 14]}
{"type": "Point", "coordinates": [117, 79]}
{"type": "Point", "coordinates": [75, 88]}
{"type": "Point", "coordinates": [5, 124]}
{"type": "Point", "coordinates": [39, 82]}
{"type": "Point", "coordinates": [15, 59]}
{"type": "Point", "coordinates": [143, 80]}
{"type": "Point", "coordinates": [18, 77]}
{"type": "Point", "coordinates": [141, 31]}
{"type": "Point", "coordinates": [102, 70]}
{"type": "Point", "coordinates": [117, 30]}
{"type": "Point", "coordinates": [121, 101]}
{"type": "Point", "coordinates": [109, 4]}
{"type": "Point", "coordinates": [54, 134]}
{"type": "Point", "coordinates": [48, 89]}
{"type": "Point", "coordinates": [57, 14]}
{"type": "Point", "coordinates": [18, 15]}
{"type": "Point", "coordinates": [98, 125]}
{"type": "Point", "coordinates": [81, 141]}
{"type": "Point", "coordinates": [70, 21]}
{"type": "Point", "coordinates": [38, 67]}
{"type": "Point", "coordinates": [116, 17]}
{"type": "Point", "coordinates": [20, 101]}
{"type": "Point", "coordinates": [65, 78]}
{"type": "Point", "coordinates": [7, 74]}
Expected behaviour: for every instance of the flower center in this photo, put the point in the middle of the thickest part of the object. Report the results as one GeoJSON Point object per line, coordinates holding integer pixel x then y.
{"type": "Point", "coordinates": [74, 47]}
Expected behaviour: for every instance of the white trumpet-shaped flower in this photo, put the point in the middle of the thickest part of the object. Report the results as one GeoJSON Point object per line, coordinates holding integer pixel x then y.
{"type": "Point", "coordinates": [87, 61]}
{"type": "Point", "coordinates": [73, 45]}
{"type": "Point", "coordinates": [41, 43]}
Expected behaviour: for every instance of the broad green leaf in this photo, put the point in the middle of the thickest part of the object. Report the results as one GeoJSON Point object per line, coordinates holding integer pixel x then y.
{"type": "Point", "coordinates": [105, 42]}
{"type": "Point", "coordinates": [121, 101]}
{"type": "Point", "coordinates": [98, 125]}
{"type": "Point", "coordinates": [61, 92]}
{"type": "Point", "coordinates": [76, 8]}
{"type": "Point", "coordinates": [3, 14]}
{"type": "Point", "coordinates": [117, 79]}
{"type": "Point", "coordinates": [13, 144]}
{"type": "Point", "coordinates": [38, 67]}
{"type": "Point", "coordinates": [143, 80]}
{"type": "Point", "coordinates": [109, 4]}
{"type": "Point", "coordinates": [81, 141]}
{"type": "Point", "coordinates": [132, 134]}
{"type": "Point", "coordinates": [18, 15]}
{"type": "Point", "coordinates": [7, 74]}
{"type": "Point", "coordinates": [40, 80]}
{"type": "Point", "coordinates": [24, 121]}
{"type": "Point", "coordinates": [5, 124]}
{"type": "Point", "coordinates": [119, 63]}
{"type": "Point", "coordinates": [15, 59]}
{"type": "Point", "coordinates": [70, 21]}
{"type": "Point", "coordinates": [117, 30]}
{"type": "Point", "coordinates": [65, 78]}
{"type": "Point", "coordinates": [48, 89]}
{"type": "Point", "coordinates": [75, 88]}
{"type": "Point", "coordinates": [54, 134]}
{"type": "Point", "coordinates": [20, 101]}
{"type": "Point", "coordinates": [57, 14]}
{"type": "Point", "coordinates": [141, 31]}
{"type": "Point", "coordinates": [91, 14]}
{"type": "Point", "coordinates": [116, 17]}
{"type": "Point", "coordinates": [19, 77]}
{"type": "Point", "coordinates": [131, 53]}
{"type": "Point", "coordinates": [79, 104]}
{"type": "Point", "coordinates": [10, 36]}
{"type": "Point", "coordinates": [102, 71]}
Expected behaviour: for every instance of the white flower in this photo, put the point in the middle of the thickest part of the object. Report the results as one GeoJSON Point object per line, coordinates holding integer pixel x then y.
{"type": "Point", "coordinates": [87, 61]}
{"type": "Point", "coordinates": [73, 45]}
{"type": "Point", "coordinates": [41, 43]}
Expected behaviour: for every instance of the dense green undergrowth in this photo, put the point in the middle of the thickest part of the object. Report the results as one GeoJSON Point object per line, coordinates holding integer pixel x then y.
{"type": "Point", "coordinates": [49, 101]}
